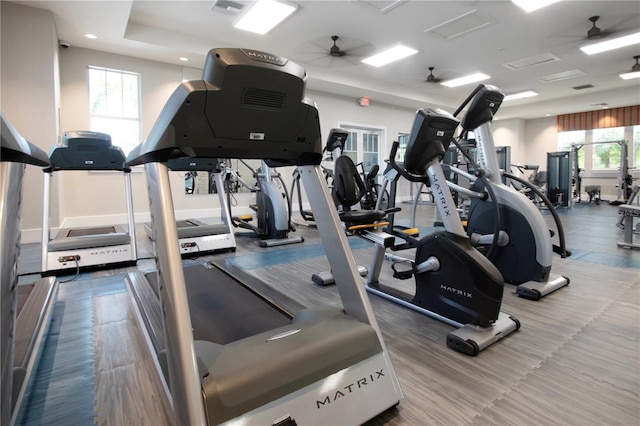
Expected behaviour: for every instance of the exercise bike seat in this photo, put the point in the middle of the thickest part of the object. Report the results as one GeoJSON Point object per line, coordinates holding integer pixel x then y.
{"type": "Point", "coordinates": [361, 217]}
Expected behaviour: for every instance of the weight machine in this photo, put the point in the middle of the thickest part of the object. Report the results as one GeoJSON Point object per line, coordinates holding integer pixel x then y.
{"type": "Point", "coordinates": [625, 181]}
{"type": "Point", "coordinates": [559, 182]}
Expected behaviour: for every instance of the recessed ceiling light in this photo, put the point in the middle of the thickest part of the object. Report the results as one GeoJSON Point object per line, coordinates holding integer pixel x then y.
{"type": "Point", "coordinates": [183, 59]}
{"type": "Point", "coordinates": [471, 78]}
{"type": "Point", "coordinates": [531, 5]}
{"type": "Point", "coordinates": [520, 95]}
{"type": "Point", "coordinates": [615, 43]}
{"type": "Point", "coordinates": [390, 55]}
{"type": "Point", "coordinates": [630, 75]}
{"type": "Point", "coordinates": [91, 36]}
{"type": "Point", "coordinates": [264, 16]}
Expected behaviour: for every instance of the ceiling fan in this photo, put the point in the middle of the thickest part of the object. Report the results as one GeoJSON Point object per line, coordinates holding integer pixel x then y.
{"type": "Point", "coordinates": [335, 49]}
{"type": "Point", "coordinates": [343, 52]}
{"type": "Point", "coordinates": [595, 32]}
{"type": "Point", "coordinates": [432, 78]}
{"type": "Point", "coordinates": [573, 36]}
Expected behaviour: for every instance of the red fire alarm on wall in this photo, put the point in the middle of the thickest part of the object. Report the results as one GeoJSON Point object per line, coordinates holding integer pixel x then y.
{"type": "Point", "coordinates": [363, 102]}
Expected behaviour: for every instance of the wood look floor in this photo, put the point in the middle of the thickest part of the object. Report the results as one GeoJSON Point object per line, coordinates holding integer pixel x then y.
{"type": "Point", "coordinates": [575, 360]}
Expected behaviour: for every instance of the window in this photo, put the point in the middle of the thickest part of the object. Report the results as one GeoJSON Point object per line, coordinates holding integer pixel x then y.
{"type": "Point", "coordinates": [369, 150]}
{"type": "Point", "coordinates": [607, 155]}
{"type": "Point", "coordinates": [403, 141]}
{"type": "Point", "coordinates": [114, 105]}
{"type": "Point", "coordinates": [577, 138]}
{"type": "Point", "coordinates": [351, 147]}
{"type": "Point", "coordinates": [363, 145]}
{"type": "Point", "coordinates": [636, 147]}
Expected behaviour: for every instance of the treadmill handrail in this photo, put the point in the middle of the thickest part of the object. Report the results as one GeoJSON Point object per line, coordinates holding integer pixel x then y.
{"type": "Point", "coordinates": [15, 148]}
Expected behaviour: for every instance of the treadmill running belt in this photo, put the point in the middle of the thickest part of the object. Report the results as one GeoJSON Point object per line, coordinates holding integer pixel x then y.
{"type": "Point", "coordinates": [185, 223]}
{"type": "Point", "coordinates": [223, 310]}
{"type": "Point", "coordinates": [91, 231]}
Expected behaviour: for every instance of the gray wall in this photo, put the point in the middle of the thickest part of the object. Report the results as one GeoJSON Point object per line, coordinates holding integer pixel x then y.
{"type": "Point", "coordinates": [29, 94]}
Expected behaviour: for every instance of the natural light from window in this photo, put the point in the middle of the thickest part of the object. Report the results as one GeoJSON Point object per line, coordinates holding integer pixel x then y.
{"type": "Point", "coordinates": [114, 105]}
{"type": "Point", "coordinates": [607, 155]}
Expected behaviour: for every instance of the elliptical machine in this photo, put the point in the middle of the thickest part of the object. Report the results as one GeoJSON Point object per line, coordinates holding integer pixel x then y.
{"type": "Point", "coordinates": [455, 283]}
{"type": "Point", "coordinates": [525, 259]}
{"type": "Point", "coordinates": [272, 210]}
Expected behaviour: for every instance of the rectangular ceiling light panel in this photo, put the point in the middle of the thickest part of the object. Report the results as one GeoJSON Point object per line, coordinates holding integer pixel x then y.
{"type": "Point", "coordinates": [264, 16]}
{"type": "Point", "coordinates": [630, 75]}
{"type": "Point", "coordinates": [521, 64]}
{"type": "Point", "coordinates": [561, 76]}
{"type": "Point", "coordinates": [472, 78]}
{"type": "Point", "coordinates": [460, 25]}
{"type": "Point", "coordinates": [531, 5]}
{"type": "Point", "coordinates": [520, 95]}
{"type": "Point", "coordinates": [390, 55]}
{"type": "Point", "coordinates": [616, 43]}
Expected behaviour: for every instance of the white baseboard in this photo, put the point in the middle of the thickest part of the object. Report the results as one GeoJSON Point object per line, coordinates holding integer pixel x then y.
{"type": "Point", "coordinates": [31, 236]}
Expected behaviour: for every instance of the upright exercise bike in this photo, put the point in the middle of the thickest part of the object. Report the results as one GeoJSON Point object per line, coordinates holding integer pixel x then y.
{"type": "Point", "coordinates": [455, 283]}
{"type": "Point", "coordinates": [525, 259]}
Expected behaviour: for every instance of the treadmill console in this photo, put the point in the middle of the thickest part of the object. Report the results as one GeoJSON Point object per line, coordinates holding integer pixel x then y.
{"type": "Point", "coordinates": [186, 164]}
{"type": "Point", "coordinates": [248, 105]}
{"type": "Point", "coordinates": [86, 150]}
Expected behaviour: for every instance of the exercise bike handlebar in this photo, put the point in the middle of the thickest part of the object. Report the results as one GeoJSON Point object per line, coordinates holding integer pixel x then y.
{"type": "Point", "coordinates": [561, 249]}
{"type": "Point", "coordinates": [466, 101]}
{"type": "Point", "coordinates": [403, 172]}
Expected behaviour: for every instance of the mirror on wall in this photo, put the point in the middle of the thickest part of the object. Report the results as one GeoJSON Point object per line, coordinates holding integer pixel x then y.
{"type": "Point", "coordinates": [238, 175]}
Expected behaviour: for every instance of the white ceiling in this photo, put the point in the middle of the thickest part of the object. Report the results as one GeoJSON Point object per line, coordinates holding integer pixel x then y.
{"type": "Point", "coordinates": [167, 30]}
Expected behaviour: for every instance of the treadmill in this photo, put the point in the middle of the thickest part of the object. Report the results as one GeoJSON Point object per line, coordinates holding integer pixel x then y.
{"type": "Point", "coordinates": [25, 310]}
{"type": "Point", "coordinates": [196, 237]}
{"type": "Point", "coordinates": [315, 366]}
{"type": "Point", "coordinates": [87, 247]}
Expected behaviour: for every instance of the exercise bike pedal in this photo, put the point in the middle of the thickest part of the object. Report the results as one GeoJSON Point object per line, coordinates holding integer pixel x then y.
{"type": "Point", "coordinates": [403, 274]}
{"type": "Point", "coordinates": [245, 218]}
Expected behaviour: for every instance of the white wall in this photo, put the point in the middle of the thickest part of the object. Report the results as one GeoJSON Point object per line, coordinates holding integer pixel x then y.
{"type": "Point", "coordinates": [540, 137]}
{"type": "Point", "coordinates": [511, 133]}
{"type": "Point", "coordinates": [97, 198]}
{"type": "Point", "coordinates": [29, 94]}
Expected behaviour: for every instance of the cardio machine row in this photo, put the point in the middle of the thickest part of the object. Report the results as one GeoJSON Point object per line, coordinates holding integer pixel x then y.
{"type": "Point", "coordinates": [459, 272]}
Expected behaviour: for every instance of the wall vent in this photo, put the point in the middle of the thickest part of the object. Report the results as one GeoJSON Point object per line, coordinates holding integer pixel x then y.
{"type": "Point", "coordinates": [383, 6]}
{"type": "Point", "coordinates": [584, 86]}
{"type": "Point", "coordinates": [561, 76]}
{"type": "Point", "coordinates": [463, 24]}
{"type": "Point", "coordinates": [532, 61]}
